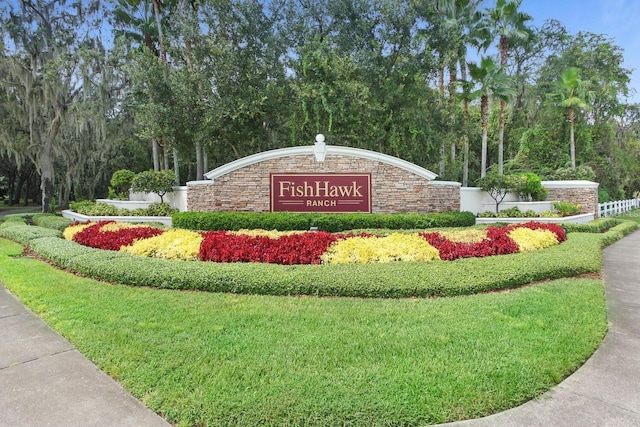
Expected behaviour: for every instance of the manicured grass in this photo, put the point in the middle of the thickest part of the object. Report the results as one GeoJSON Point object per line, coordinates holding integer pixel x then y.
{"type": "Point", "coordinates": [223, 359]}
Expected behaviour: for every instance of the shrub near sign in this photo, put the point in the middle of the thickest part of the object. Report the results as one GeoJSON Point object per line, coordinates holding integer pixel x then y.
{"type": "Point", "coordinates": [328, 193]}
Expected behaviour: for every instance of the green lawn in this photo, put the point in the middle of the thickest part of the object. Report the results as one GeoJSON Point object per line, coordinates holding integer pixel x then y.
{"type": "Point", "coordinates": [222, 359]}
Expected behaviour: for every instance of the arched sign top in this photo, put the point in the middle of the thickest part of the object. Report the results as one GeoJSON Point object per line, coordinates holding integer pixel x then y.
{"type": "Point", "coordinates": [320, 150]}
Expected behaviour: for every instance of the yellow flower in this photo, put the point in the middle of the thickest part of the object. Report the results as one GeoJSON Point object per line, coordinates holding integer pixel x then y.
{"type": "Point", "coordinates": [74, 229]}
{"type": "Point", "coordinates": [272, 234]}
{"type": "Point", "coordinates": [172, 244]}
{"type": "Point", "coordinates": [395, 247]}
{"type": "Point", "coordinates": [115, 226]}
{"type": "Point", "coordinates": [472, 235]}
{"type": "Point", "coordinates": [532, 240]}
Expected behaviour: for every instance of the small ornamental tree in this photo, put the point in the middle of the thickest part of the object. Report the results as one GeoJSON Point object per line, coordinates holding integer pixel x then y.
{"type": "Point", "coordinates": [120, 184]}
{"type": "Point", "coordinates": [529, 187]}
{"type": "Point", "coordinates": [159, 182]}
{"type": "Point", "coordinates": [498, 186]}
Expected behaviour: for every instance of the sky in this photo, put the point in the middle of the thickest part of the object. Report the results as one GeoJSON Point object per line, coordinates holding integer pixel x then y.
{"type": "Point", "coordinates": [618, 19]}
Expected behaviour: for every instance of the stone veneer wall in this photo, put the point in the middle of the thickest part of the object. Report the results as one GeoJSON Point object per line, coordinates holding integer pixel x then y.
{"type": "Point", "coordinates": [392, 189]}
{"type": "Point", "coordinates": [584, 193]}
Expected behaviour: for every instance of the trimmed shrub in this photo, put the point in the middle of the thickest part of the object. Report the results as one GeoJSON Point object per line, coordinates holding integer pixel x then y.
{"type": "Point", "coordinates": [54, 222]}
{"type": "Point", "coordinates": [120, 184]}
{"type": "Point", "coordinates": [24, 234]}
{"type": "Point", "coordinates": [104, 209]}
{"type": "Point", "coordinates": [580, 254]}
{"type": "Point", "coordinates": [596, 226]}
{"type": "Point", "coordinates": [335, 223]}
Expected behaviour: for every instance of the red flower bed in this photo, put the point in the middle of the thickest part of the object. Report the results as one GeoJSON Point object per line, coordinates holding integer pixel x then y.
{"type": "Point", "coordinates": [303, 248]}
{"type": "Point", "coordinates": [113, 240]}
{"type": "Point", "coordinates": [497, 242]}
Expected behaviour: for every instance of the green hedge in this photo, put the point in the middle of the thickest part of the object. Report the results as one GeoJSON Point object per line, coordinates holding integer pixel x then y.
{"type": "Point", "coordinates": [51, 221]}
{"type": "Point", "coordinates": [596, 226]}
{"type": "Point", "coordinates": [90, 208]}
{"type": "Point", "coordinates": [284, 221]}
{"type": "Point", "coordinates": [581, 253]}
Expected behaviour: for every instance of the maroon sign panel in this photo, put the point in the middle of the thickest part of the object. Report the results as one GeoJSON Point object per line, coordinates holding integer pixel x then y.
{"type": "Point", "coordinates": [327, 192]}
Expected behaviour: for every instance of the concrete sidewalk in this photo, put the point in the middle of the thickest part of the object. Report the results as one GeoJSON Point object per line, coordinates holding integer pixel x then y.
{"type": "Point", "coordinates": [605, 391]}
{"type": "Point", "coordinates": [45, 381]}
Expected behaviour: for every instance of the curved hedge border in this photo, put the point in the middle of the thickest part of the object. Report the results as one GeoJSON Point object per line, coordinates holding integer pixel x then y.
{"type": "Point", "coordinates": [581, 253]}
{"type": "Point", "coordinates": [287, 221]}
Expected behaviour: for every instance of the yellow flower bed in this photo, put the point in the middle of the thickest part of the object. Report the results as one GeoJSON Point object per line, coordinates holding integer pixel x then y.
{"type": "Point", "coordinates": [72, 230]}
{"type": "Point", "coordinates": [532, 240]}
{"type": "Point", "coordinates": [395, 247]}
{"type": "Point", "coordinates": [172, 244]}
{"type": "Point", "coordinates": [115, 226]}
{"type": "Point", "coordinates": [465, 236]}
{"type": "Point", "coordinates": [272, 234]}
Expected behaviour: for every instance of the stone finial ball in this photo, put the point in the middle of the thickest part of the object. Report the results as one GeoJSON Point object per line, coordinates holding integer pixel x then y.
{"type": "Point", "coordinates": [319, 137]}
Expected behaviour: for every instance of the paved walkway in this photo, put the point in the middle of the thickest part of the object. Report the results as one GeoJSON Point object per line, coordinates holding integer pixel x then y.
{"type": "Point", "coordinates": [45, 381]}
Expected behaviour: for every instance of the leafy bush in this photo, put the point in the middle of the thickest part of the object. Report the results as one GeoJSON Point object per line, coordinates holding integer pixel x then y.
{"type": "Point", "coordinates": [23, 233]}
{"type": "Point", "coordinates": [528, 185]}
{"type": "Point", "coordinates": [580, 172]}
{"type": "Point", "coordinates": [566, 208]}
{"type": "Point", "coordinates": [515, 212]}
{"type": "Point", "coordinates": [158, 182]}
{"type": "Point", "coordinates": [82, 206]}
{"type": "Point", "coordinates": [94, 209]}
{"type": "Point", "coordinates": [159, 209]}
{"type": "Point", "coordinates": [283, 221]}
{"type": "Point", "coordinates": [120, 184]}
{"type": "Point", "coordinates": [51, 221]}
{"type": "Point", "coordinates": [596, 226]}
{"type": "Point", "coordinates": [104, 209]}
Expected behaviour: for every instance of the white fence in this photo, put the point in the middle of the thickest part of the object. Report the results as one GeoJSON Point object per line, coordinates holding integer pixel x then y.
{"type": "Point", "coordinates": [617, 207]}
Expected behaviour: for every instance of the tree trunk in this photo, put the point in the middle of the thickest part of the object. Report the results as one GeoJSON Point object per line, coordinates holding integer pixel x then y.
{"type": "Point", "coordinates": [501, 138]}
{"type": "Point", "coordinates": [572, 141]}
{"type": "Point", "coordinates": [176, 165]}
{"type": "Point", "coordinates": [504, 48]}
{"type": "Point", "coordinates": [484, 113]}
{"type": "Point", "coordinates": [45, 164]}
{"type": "Point", "coordinates": [465, 165]}
{"type": "Point", "coordinates": [165, 156]}
{"type": "Point", "coordinates": [199, 164]}
{"type": "Point", "coordinates": [155, 154]}
{"type": "Point", "coordinates": [465, 118]}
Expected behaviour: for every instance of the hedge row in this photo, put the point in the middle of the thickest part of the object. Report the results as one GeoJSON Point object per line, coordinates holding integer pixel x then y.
{"type": "Point", "coordinates": [51, 221]}
{"type": "Point", "coordinates": [596, 226]}
{"type": "Point", "coordinates": [581, 253]}
{"type": "Point", "coordinates": [285, 221]}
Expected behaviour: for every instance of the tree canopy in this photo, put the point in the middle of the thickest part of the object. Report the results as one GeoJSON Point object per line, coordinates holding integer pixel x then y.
{"type": "Point", "coordinates": [89, 88]}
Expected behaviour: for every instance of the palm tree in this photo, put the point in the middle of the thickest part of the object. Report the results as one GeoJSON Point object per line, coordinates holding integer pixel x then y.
{"type": "Point", "coordinates": [492, 82]}
{"type": "Point", "coordinates": [505, 21]}
{"type": "Point", "coordinates": [572, 93]}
